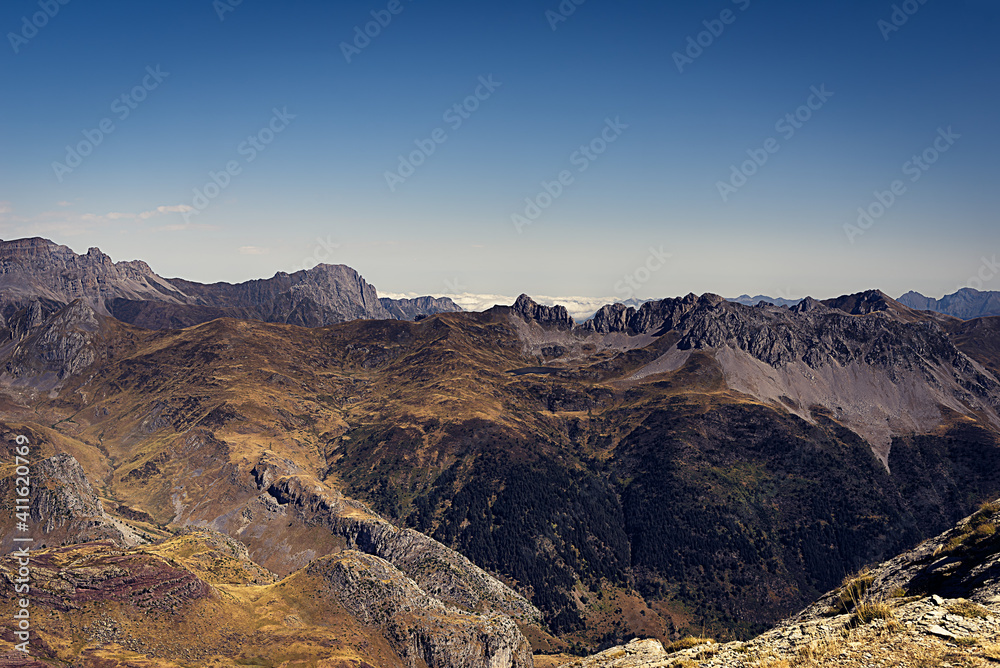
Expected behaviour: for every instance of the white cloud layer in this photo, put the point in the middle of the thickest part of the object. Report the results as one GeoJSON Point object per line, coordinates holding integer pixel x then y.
{"type": "Point", "coordinates": [580, 308]}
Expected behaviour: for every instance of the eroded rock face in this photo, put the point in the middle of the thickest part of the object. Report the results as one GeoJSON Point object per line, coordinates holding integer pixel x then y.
{"type": "Point", "coordinates": [195, 597]}
{"type": "Point", "coordinates": [530, 311]}
{"type": "Point", "coordinates": [421, 628]}
{"type": "Point", "coordinates": [37, 269]}
{"type": "Point", "coordinates": [418, 307]}
{"type": "Point", "coordinates": [63, 344]}
{"type": "Point", "coordinates": [871, 363]}
{"type": "Point", "coordinates": [447, 574]}
{"type": "Point", "coordinates": [65, 507]}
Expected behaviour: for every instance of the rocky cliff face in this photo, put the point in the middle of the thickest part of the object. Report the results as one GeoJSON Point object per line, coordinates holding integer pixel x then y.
{"type": "Point", "coordinates": [37, 270]}
{"type": "Point", "coordinates": [899, 368]}
{"type": "Point", "coordinates": [530, 311]}
{"type": "Point", "coordinates": [434, 567]}
{"type": "Point", "coordinates": [65, 508]}
{"type": "Point", "coordinates": [310, 298]}
{"type": "Point", "coordinates": [413, 309]}
{"type": "Point", "coordinates": [422, 629]}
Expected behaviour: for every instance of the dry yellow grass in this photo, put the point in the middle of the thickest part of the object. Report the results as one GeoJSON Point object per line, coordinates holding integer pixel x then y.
{"type": "Point", "coordinates": [687, 643]}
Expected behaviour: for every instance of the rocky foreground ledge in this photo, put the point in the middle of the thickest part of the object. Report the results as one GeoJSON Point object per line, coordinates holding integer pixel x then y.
{"type": "Point", "coordinates": [937, 605]}
{"type": "Point", "coordinates": [926, 633]}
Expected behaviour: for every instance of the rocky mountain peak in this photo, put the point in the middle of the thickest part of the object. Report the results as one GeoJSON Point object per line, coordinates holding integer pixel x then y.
{"type": "Point", "coordinates": [709, 299]}
{"type": "Point", "coordinates": [966, 303]}
{"type": "Point", "coordinates": [34, 269]}
{"type": "Point", "coordinates": [809, 305]}
{"type": "Point", "coordinates": [863, 303]}
{"type": "Point", "coordinates": [531, 311]}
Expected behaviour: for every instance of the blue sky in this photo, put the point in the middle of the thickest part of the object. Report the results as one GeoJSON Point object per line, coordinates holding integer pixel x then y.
{"type": "Point", "coordinates": [594, 97]}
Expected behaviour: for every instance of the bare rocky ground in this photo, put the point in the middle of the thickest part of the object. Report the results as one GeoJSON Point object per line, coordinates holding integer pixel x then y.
{"type": "Point", "coordinates": [937, 605]}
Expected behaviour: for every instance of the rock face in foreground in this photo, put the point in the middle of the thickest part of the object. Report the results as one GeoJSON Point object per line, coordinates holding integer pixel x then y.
{"type": "Point", "coordinates": [422, 629]}
{"type": "Point", "coordinates": [934, 605]}
{"type": "Point", "coordinates": [639, 653]}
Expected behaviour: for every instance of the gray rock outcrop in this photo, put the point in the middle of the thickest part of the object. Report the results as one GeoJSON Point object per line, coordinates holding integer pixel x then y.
{"type": "Point", "coordinates": [38, 270]}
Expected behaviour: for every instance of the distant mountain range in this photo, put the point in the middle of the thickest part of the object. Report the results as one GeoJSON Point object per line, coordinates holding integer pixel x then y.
{"type": "Point", "coordinates": [965, 304]}
{"type": "Point", "coordinates": [747, 300]}
{"type": "Point", "coordinates": [38, 271]}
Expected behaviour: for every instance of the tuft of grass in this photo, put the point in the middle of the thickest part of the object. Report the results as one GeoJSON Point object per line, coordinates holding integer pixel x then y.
{"type": "Point", "coordinates": [968, 609]}
{"type": "Point", "coordinates": [898, 592]}
{"type": "Point", "coordinates": [989, 508]}
{"type": "Point", "coordinates": [869, 611]}
{"type": "Point", "coordinates": [852, 591]}
{"type": "Point", "coordinates": [992, 651]}
{"type": "Point", "coordinates": [687, 643]}
{"type": "Point", "coordinates": [966, 641]}
{"type": "Point", "coordinates": [985, 530]}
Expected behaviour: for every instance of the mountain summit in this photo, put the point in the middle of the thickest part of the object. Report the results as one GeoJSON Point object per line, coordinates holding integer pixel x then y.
{"type": "Point", "coordinates": [38, 270]}
{"type": "Point", "coordinates": [965, 304]}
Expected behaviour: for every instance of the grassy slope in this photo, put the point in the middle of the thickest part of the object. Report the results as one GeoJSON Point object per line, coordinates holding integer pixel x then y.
{"type": "Point", "coordinates": [239, 616]}
{"type": "Point", "coordinates": [623, 508]}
